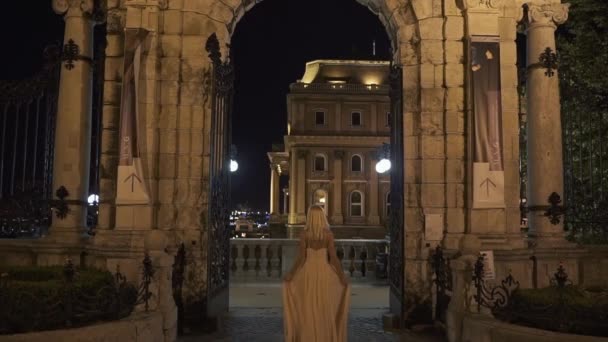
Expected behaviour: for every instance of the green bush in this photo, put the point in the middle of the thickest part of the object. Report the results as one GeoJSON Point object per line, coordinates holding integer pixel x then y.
{"type": "Point", "coordinates": [40, 298]}
{"type": "Point", "coordinates": [571, 309]}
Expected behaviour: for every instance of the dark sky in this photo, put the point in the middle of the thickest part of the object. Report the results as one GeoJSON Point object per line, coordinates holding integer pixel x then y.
{"type": "Point", "coordinates": [271, 45]}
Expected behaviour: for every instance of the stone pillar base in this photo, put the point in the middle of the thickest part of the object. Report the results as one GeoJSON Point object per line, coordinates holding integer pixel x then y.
{"type": "Point", "coordinates": [337, 219]}
{"type": "Point", "coordinates": [68, 236]}
{"type": "Point", "coordinates": [549, 242]}
{"type": "Point", "coordinates": [374, 220]}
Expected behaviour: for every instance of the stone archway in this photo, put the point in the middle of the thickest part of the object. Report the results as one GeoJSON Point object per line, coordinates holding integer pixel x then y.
{"type": "Point", "coordinates": [430, 40]}
{"type": "Point", "coordinates": [402, 16]}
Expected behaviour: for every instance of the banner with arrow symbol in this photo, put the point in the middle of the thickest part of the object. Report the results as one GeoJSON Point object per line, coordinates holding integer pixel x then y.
{"type": "Point", "coordinates": [488, 187]}
{"type": "Point", "coordinates": [131, 188]}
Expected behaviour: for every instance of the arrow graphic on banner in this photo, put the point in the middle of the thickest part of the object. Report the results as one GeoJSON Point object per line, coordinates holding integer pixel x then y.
{"type": "Point", "coordinates": [132, 177]}
{"type": "Point", "coordinates": [487, 182]}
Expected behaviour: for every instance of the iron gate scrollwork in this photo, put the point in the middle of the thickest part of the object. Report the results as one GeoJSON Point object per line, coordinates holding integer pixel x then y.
{"type": "Point", "coordinates": [396, 231]}
{"type": "Point", "coordinates": [222, 79]}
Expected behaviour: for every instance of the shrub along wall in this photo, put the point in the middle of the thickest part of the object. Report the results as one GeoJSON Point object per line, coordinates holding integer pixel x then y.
{"type": "Point", "coordinates": [46, 298]}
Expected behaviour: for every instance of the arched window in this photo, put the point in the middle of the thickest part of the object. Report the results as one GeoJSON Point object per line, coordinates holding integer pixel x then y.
{"type": "Point", "coordinates": [320, 163]}
{"type": "Point", "coordinates": [320, 198]}
{"type": "Point", "coordinates": [388, 204]}
{"type": "Point", "coordinates": [356, 203]}
{"type": "Point", "coordinates": [356, 163]}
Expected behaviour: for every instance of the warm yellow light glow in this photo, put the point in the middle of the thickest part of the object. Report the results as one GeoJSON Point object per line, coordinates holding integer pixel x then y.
{"type": "Point", "coordinates": [337, 81]}
{"type": "Point", "coordinates": [322, 200]}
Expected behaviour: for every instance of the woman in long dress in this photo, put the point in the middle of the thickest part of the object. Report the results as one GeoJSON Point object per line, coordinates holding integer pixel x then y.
{"type": "Point", "coordinates": [316, 293]}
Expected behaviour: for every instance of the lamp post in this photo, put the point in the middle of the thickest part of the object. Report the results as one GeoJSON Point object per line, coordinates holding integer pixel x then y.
{"type": "Point", "coordinates": [384, 162]}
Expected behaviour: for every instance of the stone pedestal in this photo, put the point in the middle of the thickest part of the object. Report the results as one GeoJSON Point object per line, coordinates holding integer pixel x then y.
{"type": "Point", "coordinates": [544, 131]}
{"type": "Point", "coordinates": [73, 124]}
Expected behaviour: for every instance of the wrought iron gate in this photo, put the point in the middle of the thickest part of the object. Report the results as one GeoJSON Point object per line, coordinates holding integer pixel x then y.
{"type": "Point", "coordinates": [27, 134]}
{"type": "Point", "coordinates": [397, 233]}
{"type": "Point", "coordinates": [586, 174]}
{"type": "Point", "coordinates": [221, 90]}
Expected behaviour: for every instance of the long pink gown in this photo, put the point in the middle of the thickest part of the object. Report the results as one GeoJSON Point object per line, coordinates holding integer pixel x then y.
{"type": "Point", "coordinates": [315, 303]}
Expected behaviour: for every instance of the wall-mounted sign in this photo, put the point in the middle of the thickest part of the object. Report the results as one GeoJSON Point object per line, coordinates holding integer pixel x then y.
{"type": "Point", "coordinates": [488, 265]}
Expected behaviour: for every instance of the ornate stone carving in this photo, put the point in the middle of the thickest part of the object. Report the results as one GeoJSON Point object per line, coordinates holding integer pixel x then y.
{"type": "Point", "coordinates": [62, 6]}
{"type": "Point", "coordinates": [302, 154]}
{"type": "Point", "coordinates": [483, 4]}
{"type": "Point", "coordinates": [116, 21]}
{"type": "Point", "coordinates": [546, 12]}
{"type": "Point", "coordinates": [339, 154]}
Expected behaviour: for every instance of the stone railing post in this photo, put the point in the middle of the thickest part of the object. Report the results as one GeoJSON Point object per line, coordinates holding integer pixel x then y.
{"type": "Point", "coordinates": [462, 274]}
{"type": "Point", "coordinates": [156, 243]}
{"type": "Point", "coordinates": [544, 130]}
{"type": "Point", "coordinates": [73, 124]}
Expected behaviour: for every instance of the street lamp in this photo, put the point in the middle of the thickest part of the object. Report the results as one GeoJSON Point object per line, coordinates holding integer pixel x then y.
{"type": "Point", "coordinates": [384, 163]}
{"type": "Point", "coordinates": [233, 165]}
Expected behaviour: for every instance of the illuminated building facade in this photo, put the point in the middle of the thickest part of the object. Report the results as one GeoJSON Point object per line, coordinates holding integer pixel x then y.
{"type": "Point", "coordinates": [338, 117]}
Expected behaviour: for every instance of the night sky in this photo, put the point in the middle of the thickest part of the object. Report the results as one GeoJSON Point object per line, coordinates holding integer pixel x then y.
{"type": "Point", "coordinates": [271, 45]}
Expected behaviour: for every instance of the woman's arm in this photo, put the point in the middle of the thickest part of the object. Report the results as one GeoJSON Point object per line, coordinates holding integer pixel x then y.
{"type": "Point", "coordinates": [299, 259]}
{"type": "Point", "coordinates": [334, 261]}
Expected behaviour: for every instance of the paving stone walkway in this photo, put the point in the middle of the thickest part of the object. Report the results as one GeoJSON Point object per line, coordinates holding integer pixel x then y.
{"type": "Point", "coordinates": [256, 315]}
{"type": "Point", "coordinates": [266, 325]}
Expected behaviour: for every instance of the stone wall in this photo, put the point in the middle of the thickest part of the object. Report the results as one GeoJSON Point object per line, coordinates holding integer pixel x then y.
{"type": "Point", "coordinates": [141, 327]}
{"type": "Point", "coordinates": [480, 328]}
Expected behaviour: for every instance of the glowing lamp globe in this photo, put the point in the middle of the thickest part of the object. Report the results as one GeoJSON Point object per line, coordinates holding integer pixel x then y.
{"type": "Point", "coordinates": [234, 166]}
{"type": "Point", "coordinates": [383, 165]}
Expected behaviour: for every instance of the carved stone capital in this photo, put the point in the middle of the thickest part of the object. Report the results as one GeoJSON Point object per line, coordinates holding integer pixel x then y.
{"type": "Point", "coordinates": [546, 12]}
{"type": "Point", "coordinates": [338, 154]}
{"type": "Point", "coordinates": [302, 154]}
{"type": "Point", "coordinates": [161, 4]}
{"type": "Point", "coordinates": [61, 7]}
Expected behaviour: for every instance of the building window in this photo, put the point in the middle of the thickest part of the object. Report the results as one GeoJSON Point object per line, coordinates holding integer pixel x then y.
{"type": "Point", "coordinates": [388, 204]}
{"type": "Point", "coordinates": [356, 203]}
{"type": "Point", "coordinates": [355, 118]}
{"type": "Point", "coordinates": [388, 119]}
{"type": "Point", "coordinates": [320, 163]}
{"type": "Point", "coordinates": [320, 118]}
{"type": "Point", "coordinates": [320, 198]}
{"type": "Point", "coordinates": [356, 165]}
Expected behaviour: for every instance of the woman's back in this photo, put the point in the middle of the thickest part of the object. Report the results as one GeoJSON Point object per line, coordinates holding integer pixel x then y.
{"type": "Point", "coordinates": [315, 294]}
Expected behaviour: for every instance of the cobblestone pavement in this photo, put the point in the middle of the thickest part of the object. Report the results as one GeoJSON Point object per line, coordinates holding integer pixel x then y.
{"type": "Point", "coordinates": [266, 325]}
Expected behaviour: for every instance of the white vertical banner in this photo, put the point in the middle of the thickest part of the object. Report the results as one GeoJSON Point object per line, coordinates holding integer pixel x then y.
{"type": "Point", "coordinates": [131, 188]}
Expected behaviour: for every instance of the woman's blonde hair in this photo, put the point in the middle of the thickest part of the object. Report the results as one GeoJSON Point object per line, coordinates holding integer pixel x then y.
{"type": "Point", "coordinates": [316, 223]}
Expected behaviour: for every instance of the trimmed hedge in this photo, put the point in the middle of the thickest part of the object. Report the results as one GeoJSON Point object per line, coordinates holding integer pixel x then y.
{"type": "Point", "coordinates": [40, 298]}
{"type": "Point", "coordinates": [572, 309]}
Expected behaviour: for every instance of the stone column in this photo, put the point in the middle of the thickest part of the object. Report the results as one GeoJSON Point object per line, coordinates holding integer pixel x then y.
{"type": "Point", "coordinates": [545, 165]}
{"type": "Point", "coordinates": [73, 123]}
{"type": "Point", "coordinates": [293, 179]}
{"type": "Point", "coordinates": [300, 195]}
{"type": "Point", "coordinates": [274, 191]}
{"type": "Point", "coordinates": [373, 218]}
{"type": "Point", "coordinates": [337, 217]}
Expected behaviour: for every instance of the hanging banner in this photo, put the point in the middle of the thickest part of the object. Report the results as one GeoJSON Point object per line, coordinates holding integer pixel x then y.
{"type": "Point", "coordinates": [488, 168]}
{"type": "Point", "coordinates": [131, 188]}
